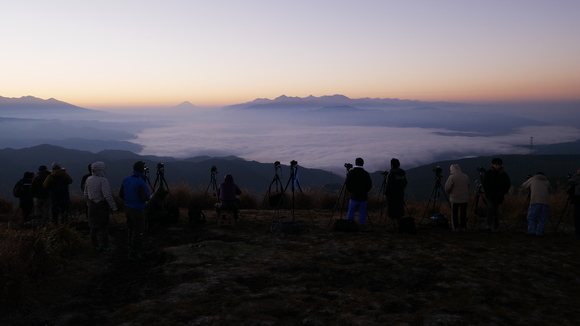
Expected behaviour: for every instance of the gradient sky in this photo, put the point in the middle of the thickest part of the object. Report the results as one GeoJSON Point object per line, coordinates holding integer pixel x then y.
{"type": "Point", "coordinates": [211, 53]}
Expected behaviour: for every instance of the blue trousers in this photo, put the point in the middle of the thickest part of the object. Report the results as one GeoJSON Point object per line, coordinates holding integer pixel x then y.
{"type": "Point", "coordinates": [537, 218]}
{"type": "Point", "coordinates": [361, 207]}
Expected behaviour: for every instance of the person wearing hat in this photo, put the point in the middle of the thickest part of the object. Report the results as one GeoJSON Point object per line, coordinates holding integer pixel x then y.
{"type": "Point", "coordinates": [496, 184]}
{"type": "Point", "coordinates": [135, 194]}
{"type": "Point", "coordinates": [40, 195]}
{"type": "Point", "coordinates": [57, 185]}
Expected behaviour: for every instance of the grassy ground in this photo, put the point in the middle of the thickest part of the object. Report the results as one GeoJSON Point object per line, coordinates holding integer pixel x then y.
{"type": "Point", "coordinates": [248, 275]}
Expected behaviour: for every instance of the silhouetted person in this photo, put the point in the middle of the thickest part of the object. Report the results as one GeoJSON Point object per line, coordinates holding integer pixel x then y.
{"type": "Point", "coordinates": [358, 183]}
{"type": "Point", "coordinates": [83, 181]}
{"type": "Point", "coordinates": [40, 194]}
{"type": "Point", "coordinates": [496, 184]}
{"type": "Point", "coordinates": [22, 190]}
{"type": "Point", "coordinates": [457, 186]}
{"type": "Point", "coordinates": [135, 194]}
{"type": "Point", "coordinates": [57, 185]}
{"type": "Point", "coordinates": [227, 193]}
{"type": "Point", "coordinates": [575, 200]}
{"type": "Point", "coordinates": [395, 190]}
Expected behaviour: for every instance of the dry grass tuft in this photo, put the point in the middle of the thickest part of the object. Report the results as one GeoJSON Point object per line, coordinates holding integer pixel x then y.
{"type": "Point", "coordinates": [30, 256]}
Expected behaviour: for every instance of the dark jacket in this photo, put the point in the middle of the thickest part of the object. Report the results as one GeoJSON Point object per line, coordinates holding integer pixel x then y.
{"type": "Point", "coordinates": [396, 184]}
{"type": "Point", "coordinates": [228, 190]}
{"type": "Point", "coordinates": [37, 189]}
{"type": "Point", "coordinates": [57, 185]}
{"type": "Point", "coordinates": [358, 183]}
{"type": "Point", "coordinates": [496, 183]}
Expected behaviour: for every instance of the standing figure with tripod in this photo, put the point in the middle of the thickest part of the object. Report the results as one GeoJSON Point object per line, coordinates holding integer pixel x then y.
{"type": "Point", "coordinates": [226, 193]}
{"type": "Point", "coordinates": [457, 186]}
{"type": "Point", "coordinates": [575, 200]}
{"type": "Point", "coordinates": [496, 184]}
{"type": "Point", "coordinates": [539, 197]}
{"type": "Point", "coordinates": [358, 183]}
{"type": "Point", "coordinates": [395, 191]}
{"type": "Point", "coordinates": [135, 194]}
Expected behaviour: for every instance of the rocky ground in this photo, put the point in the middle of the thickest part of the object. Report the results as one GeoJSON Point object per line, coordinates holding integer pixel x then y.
{"type": "Point", "coordinates": [249, 275]}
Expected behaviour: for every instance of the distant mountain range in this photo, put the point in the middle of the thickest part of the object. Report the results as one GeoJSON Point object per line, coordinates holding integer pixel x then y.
{"type": "Point", "coordinates": [313, 102]}
{"type": "Point", "coordinates": [257, 177]}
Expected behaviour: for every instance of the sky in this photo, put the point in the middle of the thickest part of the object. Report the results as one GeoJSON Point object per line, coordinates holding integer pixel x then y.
{"type": "Point", "coordinates": [114, 54]}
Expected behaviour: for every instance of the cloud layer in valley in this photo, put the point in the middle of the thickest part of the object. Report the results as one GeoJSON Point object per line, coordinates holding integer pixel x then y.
{"type": "Point", "coordinates": [268, 137]}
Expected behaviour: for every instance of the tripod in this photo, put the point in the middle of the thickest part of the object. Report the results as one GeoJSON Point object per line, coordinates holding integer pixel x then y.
{"type": "Point", "coordinates": [435, 194]}
{"type": "Point", "coordinates": [566, 208]}
{"type": "Point", "coordinates": [341, 196]}
{"type": "Point", "coordinates": [479, 211]}
{"type": "Point", "coordinates": [382, 198]}
{"type": "Point", "coordinates": [276, 199]}
{"type": "Point", "coordinates": [160, 178]}
{"type": "Point", "coordinates": [293, 180]}
{"type": "Point", "coordinates": [213, 184]}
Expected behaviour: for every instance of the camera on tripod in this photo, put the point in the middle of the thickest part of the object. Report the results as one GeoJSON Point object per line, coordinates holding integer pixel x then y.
{"type": "Point", "coordinates": [480, 169]}
{"type": "Point", "coordinates": [385, 173]}
{"type": "Point", "coordinates": [276, 164]}
{"type": "Point", "coordinates": [437, 170]}
{"type": "Point", "coordinates": [348, 166]}
{"type": "Point", "coordinates": [160, 168]}
{"type": "Point", "coordinates": [293, 163]}
{"type": "Point", "coordinates": [214, 169]}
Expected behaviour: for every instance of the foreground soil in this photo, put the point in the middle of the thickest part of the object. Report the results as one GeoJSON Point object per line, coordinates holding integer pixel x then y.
{"type": "Point", "coordinates": [250, 275]}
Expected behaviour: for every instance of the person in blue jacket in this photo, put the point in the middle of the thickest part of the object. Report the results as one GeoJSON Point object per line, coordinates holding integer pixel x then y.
{"type": "Point", "coordinates": [135, 194]}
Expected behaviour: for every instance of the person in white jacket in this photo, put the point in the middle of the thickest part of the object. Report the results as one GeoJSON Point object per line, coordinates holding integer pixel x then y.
{"type": "Point", "coordinates": [97, 194]}
{"type": "Point", "coordinates": [457, 186]}
{"type": "Point", "coordinates": [539, 196]}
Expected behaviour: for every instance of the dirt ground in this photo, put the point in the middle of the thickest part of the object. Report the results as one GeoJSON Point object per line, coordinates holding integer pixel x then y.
{"type": "Point", "coordinates": [250, 275]}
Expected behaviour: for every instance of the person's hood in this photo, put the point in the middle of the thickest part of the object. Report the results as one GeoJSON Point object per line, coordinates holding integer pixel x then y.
{"type": "Point", "coordinates": [98, 169]}
{"type": "Point", "coordinates": [454, 168]}
{"type": "Point", "coordinates": [229, 178]}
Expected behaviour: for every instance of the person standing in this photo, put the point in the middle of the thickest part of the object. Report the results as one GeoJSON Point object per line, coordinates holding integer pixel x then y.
{"type": "Point", "coordinates": [496, 184]}
{"type": "Point", "coordinates": [574, 182]}
{"type": "Point", "coordinates": [40, 194]}
{"type": "Point", "coordinates": [57, 183]}
{"type": "Point", "coordinates": [227, 192]}
{"type": "Point", "coordinates": [395, 190]}
{"type": "Point", "coordinates": [97, 195]}
{"type": "Point", "coordinates": [22, 190]}
{"type": "Point", "coordinates": [135, 194]}
{"type": "Point", "coordinates": [539, 197]}
{"type": "Point", "coordinates": [358, 183]}
{"type": "Point", "coordinates": [457, 186]}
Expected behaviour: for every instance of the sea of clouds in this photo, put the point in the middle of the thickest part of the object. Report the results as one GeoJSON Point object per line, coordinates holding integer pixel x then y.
{"type": "Point", "coordinates": [329, 147]}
